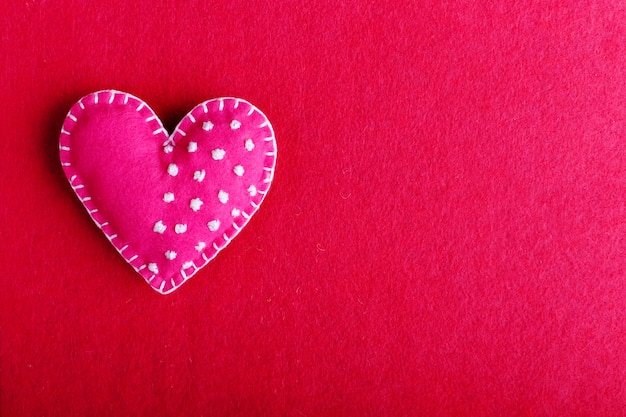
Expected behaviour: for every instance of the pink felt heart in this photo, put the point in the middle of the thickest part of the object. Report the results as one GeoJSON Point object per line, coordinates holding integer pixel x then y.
{"type": "Point", "coordinates": [168, 204]}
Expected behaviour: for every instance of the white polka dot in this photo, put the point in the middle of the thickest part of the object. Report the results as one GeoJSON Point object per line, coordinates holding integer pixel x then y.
{"type": "Point", "coordinates": [195, 204]}
{"type": "Point", "coordinates": [170, 254]}
{"type": "Point", "coordinates": [187, 265]}
{"type": "Point", "coordinates": [153, 268]}
{"type": "Point", "coordinates": [192, 147]}
{"type": "Point", "coordinates": [238, 170]}
{"type": "Point", "coordinates": [199, 175]}
{"type": "Point", "coordinates": [207, 126]}
{"type": "Point", "coordinates": [249, 145]}
{"type": "Point", "coordinates": [180, 228]}
{"type": "Point", "coordinates": [200, 246]}
{"type": "Point", "coordinates": [168, 148]}
{"type": "Point", "coordinates": [218, 154]}
{"type": "Point", "coordinates": [223, 196]}
{"type": "Point", "coordinates": [168, 197]}
{"type": "Point", "coordinates": [235, 124]}
{"type": "Point", "coordinates": [213, 225]}
{"type": "Point", "coordinates": [172, 169]}
{"type": "Point", "coordinates": [235, 212]}
{"type": "Point", "coordinates": [159, 227]}
{"type": "Point", "coordinates": [252, 190]}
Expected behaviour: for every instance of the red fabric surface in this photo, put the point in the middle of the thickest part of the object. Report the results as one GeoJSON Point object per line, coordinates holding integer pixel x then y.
{"type": "Point", "coordinates": [445, 234]}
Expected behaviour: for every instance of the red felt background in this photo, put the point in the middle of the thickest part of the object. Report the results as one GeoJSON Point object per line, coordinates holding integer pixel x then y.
{"type": "Point", "coordinates": [445, 236]}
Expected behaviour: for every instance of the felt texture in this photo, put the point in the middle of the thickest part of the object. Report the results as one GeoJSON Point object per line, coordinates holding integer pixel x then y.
{"type": "Point", "coordinates": [168, 203]}
{"type": "Point", "coordinates": [444, 236]}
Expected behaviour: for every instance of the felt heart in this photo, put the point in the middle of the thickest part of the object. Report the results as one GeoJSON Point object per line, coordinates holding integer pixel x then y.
{"type": "Point", "coordinates": [167, 203]}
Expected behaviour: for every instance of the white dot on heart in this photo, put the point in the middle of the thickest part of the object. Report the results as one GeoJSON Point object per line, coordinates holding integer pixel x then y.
{"type": "Point", "coordinates": [218, 154]}
{"type": "Point", "coordinates": [199, 175]}
{"type": "Point", "coordinates": [170, 254]}
{"type": "Point", "coordinates": [236, 212]}
{"type": "Point", "coordinates": [195, 204]}
{"type": "Point", "coordinates": [153, 268]}
{"type": "Point", "coordinates": [249, 145]}
{"type": "Point", "coordinates": [235, 124]}
{"type": "Point", "coordinates": [252, 190]}
{"type": "Point", "coordinates": [159, 227]}
{"type": "Point", "coordinates": [238, 170]}
{"type": "Point", "coordinates": [223, 196]}
{"type": "Point", "coordinates": [172, 169]}
{"type": "Point", "coordinates": [168, 148]}
{"type": "Point", "coordinates": [192, 147]}
{"type": "Point", "coordinates": [180, 228]}
{"type": "Point", "coordinates": [213, 225]}
{"type": "Point", "coordinates": [207, 126]}
{"type": "Point", "coordinates": [200, 246]}
{"type": "Point", "coordinates": [168, 197]}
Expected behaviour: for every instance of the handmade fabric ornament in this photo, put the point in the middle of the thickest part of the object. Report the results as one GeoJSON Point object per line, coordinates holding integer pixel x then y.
{"type": "Point", "coordinates": [167, 203]}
